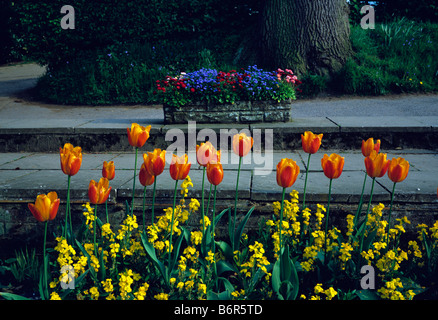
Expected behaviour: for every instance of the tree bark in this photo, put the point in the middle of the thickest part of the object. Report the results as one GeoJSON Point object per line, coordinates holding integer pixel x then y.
{"type": "Point", "coordinates": [305, 35]}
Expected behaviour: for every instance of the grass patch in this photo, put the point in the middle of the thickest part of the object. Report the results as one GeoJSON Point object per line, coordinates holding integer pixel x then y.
{"type": "Point", "coordinates": [396, 57]}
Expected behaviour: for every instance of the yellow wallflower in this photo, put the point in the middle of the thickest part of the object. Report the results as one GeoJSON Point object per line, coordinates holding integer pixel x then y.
{"type": "Point", "coordinates": [54, 296]}
{"type": "Point", "coordinates": [196, 237]}
{"type": "Point", "coordinates": [107, 285]}
{"type": "Point", "coordinates": [162, 296]}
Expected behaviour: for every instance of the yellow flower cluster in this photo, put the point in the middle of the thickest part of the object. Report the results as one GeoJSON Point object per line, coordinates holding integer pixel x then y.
{"type": "Point", "coordinates": [393, 291]}
{"type": "Point", "coordinates": [127, 278]}
{"type": "Point", "coordinates": [329, 293]}
{"type": "Point", "coordinates": [291, 227]}
{"type": "Point", "coordinates": [89, 216]}
{"type": "Point", "coordinates": [256, 260]}
{"type": "Point", "coordinates": [160, 230]}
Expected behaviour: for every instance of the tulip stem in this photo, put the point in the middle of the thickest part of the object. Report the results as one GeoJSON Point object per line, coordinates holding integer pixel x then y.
{"type": "Point", "coordinates": [46, 287]}
{"type": "Point", "coordinates": [281, 221]}
{"type": "Point", "coordinates": [67, 210]}
{"type": "Point", "coordinates": [95, 229]}
{"type": "Point", "coordinates": [212, 235]}
{"type": "Point", "coordinates": [214, 217]}
{"type": "Point", "coordinates": [389, 214]}
{"type": "Point", "coordinates": [305, 181]}
{"type": "Point", "coordinates": [106, 210]}
{"type": "Point", "coordinates": [326, 222]}
{"type": "Point", "coordinates": [235, 204]}
{"type": "Point", "coordinates": [209, 196]}
{"type": "Point", "coordinates": [202, 204]}
{"type": "Point", "coordinates": [144, 205]}
{"type": "Point", "coordinates": [153, 200]}
{"type": "Point", "coordinates": [171, 225]}
{"type": "Point", "coordinates": [359, 208]}
{"type": "Point", "coordinates": [366, 216]}
{"type": "Point", "coordinates": [133, 183]}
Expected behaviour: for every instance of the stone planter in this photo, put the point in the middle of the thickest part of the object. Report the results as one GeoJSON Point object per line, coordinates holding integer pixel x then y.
{"type": "Point", "coordinates": [239, 112]}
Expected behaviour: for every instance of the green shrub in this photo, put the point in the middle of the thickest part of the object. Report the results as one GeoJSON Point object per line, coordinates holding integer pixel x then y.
{"type": "Point", "coordinates": [115, 75]}
{"type": "Point", "coordinates": [312, 85]}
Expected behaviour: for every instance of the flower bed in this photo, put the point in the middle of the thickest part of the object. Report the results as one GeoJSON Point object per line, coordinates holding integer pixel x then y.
{"type": "Point", "coordinates": [298, 254]}
{"type": "Point", "coordinates": [208, 95]}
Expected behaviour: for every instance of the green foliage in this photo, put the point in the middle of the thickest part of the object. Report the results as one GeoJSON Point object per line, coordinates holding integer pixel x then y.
{"type": "Point", "coordinates": [26, 266]}
{"type": "Point", "coordinates": [99, 24]}
{"type": "Point", "coordinates": [312, 85]}
{"type": "Point", "coordinates": [396, 57]}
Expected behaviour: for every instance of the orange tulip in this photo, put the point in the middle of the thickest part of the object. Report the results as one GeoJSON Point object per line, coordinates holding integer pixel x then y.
{"type": "Point", "coordinates": [138, 135]}
{"type": "Point", "coordinates": [179, 167]}
{"type": "Point", "coordinates": [45, 207]}
{"type": "Point", "coordinates": [206, 153]}
{"type": "Point", "coordinates": [98, 193]}
{"type": "Point", "coordinates": [146, 179]}
{"type": "Point", "coordinates": [376, 164]}
{"type": "Point", "coordinates": [242, 144]}
{"type": "Point", "coordinates": [311, 142]}
{"type": "Point", "coordinates": [398, 169]}
{"type": "Point", "coordinates": [71, 159]}
{"type": "Point", "coordinates": [108, 170]}
{"type": "Point", "coordinates": [155, 161]}
{"type": "Point", "coordinates": [215, 173]}
{"type": "Point", "coordinates": [332, 166]}
{"type": "Point", "coordinates": [287, 172]}
{"type": "Point", "coordinates": [368, 146]}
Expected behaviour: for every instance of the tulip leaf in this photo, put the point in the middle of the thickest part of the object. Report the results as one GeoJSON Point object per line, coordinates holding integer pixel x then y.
{"type": "Point", "coordinates": [150, 250]}
{"type": "Point", "coordinates": [239, 230]}
{"type": "Point", "coordinates": [426, 243]}
{"type": "Point", "coordinates": [224, 266]}
{"type": "Point", "coordinates": [11, 296]}
{"type": "Point", "coordinates": [85, 253]}
{"type": "Point", "coordinates": [220, 215]}
{"type": "Point", "coordinates": [285, 280]}
{"type": "Point", "coordinates": [226, 250]}
{"type": "Point", "coordinates": [176, 252]}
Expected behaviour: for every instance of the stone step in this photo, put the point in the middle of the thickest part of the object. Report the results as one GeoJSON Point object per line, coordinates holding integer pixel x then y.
{"type": "Point", "coordinates": [25, 175]}
{"type": "Point", "coordinates": [109, 135]}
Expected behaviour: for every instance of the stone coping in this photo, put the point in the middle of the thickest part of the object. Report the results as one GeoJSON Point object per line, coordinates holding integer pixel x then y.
{"type": "Point", "coordinates": [101, 135]}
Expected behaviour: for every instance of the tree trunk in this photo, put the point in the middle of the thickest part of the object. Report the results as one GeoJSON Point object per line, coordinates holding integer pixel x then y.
{"type": "Point", "coordinates": [305, 35]}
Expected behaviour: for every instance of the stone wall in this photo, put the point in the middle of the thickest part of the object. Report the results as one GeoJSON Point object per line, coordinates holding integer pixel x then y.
{"type": "Point", "coordinates": [238, 112]}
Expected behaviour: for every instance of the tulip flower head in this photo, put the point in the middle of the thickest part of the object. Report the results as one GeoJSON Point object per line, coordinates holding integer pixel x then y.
{"type": "Point", "coordinates": [108, 170]}
{"type": "Point", "coordinates": [45, 207]}
{"type": "Point", "coordinates": [242, 144]}
{"type": "Point", "coordinates": [71, 159]}
{"type": "Point", "coordinates": [376, 164]}
{"type": "Point", "coordinates": [98, 192]}
{"type": "Point", "coordinates": [215, 173]}
{"type": "Point", "coordinates": [369, 145]}
{"type": "Point", "coordinates": [145, 177]}
{"type": "Point", "coordinates": [138, 135]}
{"type": "Point", "coordinates": [155, 161]}
{"type": "Point", "coordinates": [398, 169]}
{"type": "Point", "coordinates": [333, 165]}
{"type": "Point", "coordinates": [287, 172]}
{"type": "Point", "coordinates": [179, 167]}
{"type": "Point", "coordinates": [311, 142]}
{"type": "Point", "coordinates": [206, 153]}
